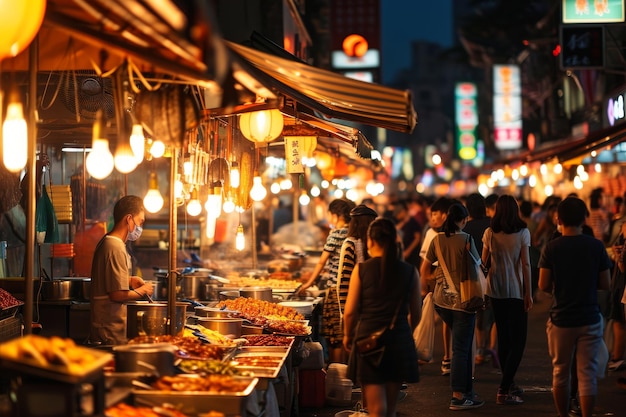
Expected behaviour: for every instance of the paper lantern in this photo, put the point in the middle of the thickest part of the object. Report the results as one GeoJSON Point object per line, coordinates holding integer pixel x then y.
{"type": "Point", "coordinates": [19, 23]}
{"type": "Point", "coordinates": [261, 126]}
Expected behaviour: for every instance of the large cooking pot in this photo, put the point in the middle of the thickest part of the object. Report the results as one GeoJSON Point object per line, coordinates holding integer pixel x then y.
{"type": "Point", "coordinates": [145, 357]}
{"type": "Point", "coordinates": [62, 289]}
{"type": "Point", "coordinates": [214, 312]}
{"type": "Point", "coordinates": [258, 293]}
{"type": "Point", "coordinates": [227, 326]}
{"type": "Point", "coordinates": [150, 319]}
{"type": "Point", "coordinates": [85, 289]}
{"type": "Point", "coordinates": [229, 295]}
{"type": "Point", "coordinates": [212, 290]}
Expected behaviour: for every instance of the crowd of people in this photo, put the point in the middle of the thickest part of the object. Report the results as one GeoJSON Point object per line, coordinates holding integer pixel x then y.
{"type": "Point", "coordinates": [566, 247]}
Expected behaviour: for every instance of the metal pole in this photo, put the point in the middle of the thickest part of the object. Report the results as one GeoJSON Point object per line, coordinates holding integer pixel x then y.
{"type": "Point", "coordinates": [31, 167]}
{"type": "Point", "coordinates": [253, 243]}
{"type": "Point", "coordinates": [171, 282]}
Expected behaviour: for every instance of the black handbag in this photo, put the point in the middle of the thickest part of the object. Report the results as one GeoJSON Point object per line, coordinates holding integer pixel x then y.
{"type": "Point", "coordinates": [374, 340]}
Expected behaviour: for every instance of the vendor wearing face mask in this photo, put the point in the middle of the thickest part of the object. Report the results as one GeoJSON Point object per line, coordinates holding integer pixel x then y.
{"type": "Point", "coordinates": [112, 284]}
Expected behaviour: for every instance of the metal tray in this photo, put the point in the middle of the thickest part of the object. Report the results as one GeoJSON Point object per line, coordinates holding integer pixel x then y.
{"type": "Point", "coordinates": [10, 311]}
{"type": "Point", "coordinates": [27, 366]}
{"type": "Point", "coordinates": [196, 402]}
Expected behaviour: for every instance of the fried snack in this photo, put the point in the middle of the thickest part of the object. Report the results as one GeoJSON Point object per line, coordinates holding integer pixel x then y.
{"type": "Point", "coordinates": [253, 309]}
{"type": "Point", "coordinates": [210, 383]}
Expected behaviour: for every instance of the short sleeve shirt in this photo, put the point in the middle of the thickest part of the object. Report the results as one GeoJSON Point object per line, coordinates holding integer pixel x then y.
{"type": "Point", "coordinates": [333, 245]}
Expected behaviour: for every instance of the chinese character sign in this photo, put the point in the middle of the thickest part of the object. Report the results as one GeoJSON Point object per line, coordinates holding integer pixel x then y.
{"type": "Point", "coordinates": [466, 120]}
{"type": "Point", "coordinates": [507, 107]}
{"type": "Point", "coordinates": [294, 149]}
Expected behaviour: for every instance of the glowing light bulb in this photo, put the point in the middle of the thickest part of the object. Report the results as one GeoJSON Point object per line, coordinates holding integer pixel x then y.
{"type": "Point", "coordinates": [235, 177]}
{"type": "Point", "coordinates": [138, 143]}
{"type": "Point", "coordinates": [15, 138]}
{"type": "Point", "coordinates": [240, 239]}
{"type": "Point", "coordinates": [275, 188]}
{"type": "Point", "coordinates": [157, 149]}
{"type": "Point", "coordinates": [153, 201]}
{"type": "Point", "coordinates": [304, 199]}
{"type": "Point", "coordinates": [258, 192]}
{"type": "Point", "coordinates": [228, 206]}
{"type": "Point", "coordinates": [194, 207]}
{"type": "Point", "coordinates": [124, 159]}
{"type": "Point", "coordinates": [100, 160]}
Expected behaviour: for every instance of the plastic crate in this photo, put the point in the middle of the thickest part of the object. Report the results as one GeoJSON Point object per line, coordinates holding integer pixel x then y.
{"type": "Point", "coordinates": [10, 328]}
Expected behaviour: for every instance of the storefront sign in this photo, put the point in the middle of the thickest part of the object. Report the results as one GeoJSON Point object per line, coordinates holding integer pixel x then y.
{"type": "Point", "coordinates": [582, 46]}
{"type": "Point", "coordinates": [615, 109]}
{"type": "Point", "coordinates": [466, 119]}
{"type": "Point", "coordinates": [294, 150]}
{"type": "Point", "coordinates": [596, 11]}
{"type": "Point", "coordinates": [507, 107]}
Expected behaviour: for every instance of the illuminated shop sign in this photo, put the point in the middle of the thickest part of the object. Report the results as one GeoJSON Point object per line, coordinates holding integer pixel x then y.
{"type": "Point", "coordinates": [466, 119]}
{"type": "Point", "coordinates": [507, 107]}
{"type": "Point", "coordinates": [596, 11]}
{"type": "Point", "coordinates": [615, 109]}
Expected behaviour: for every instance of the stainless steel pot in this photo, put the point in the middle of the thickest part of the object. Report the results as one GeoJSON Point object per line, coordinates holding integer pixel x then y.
{"type": "Point", "coordinates": [85, 289]}
{"type": "Point", "coordinates": [193, 286]}
{"type": "Point", "coordinates": [160, 290]}
{"type": "Point", "coordinates": [227, 326]}
{"type": "Point", "coordinates": [229, 295]}
{"type": "Point", "coordinates": [258, 293]}
{"type": "Point", "coordinates": [211, 291]}
{"type": "Point", "coordinates": [145, 357]}
{"type": "Point", "coordinates": [62, 289]}
{"type": "Point", "coordinates": [150, 319]}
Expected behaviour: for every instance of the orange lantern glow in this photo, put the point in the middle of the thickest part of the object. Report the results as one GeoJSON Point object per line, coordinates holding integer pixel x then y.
{"type": "Point", "coordinates": [261, 126]}
{"type": "Point", "coordinates": [19, 23]}
{"type": "Point", "coordinates": [324, 161]}
{"type": "Point", "coordinates": [355, 46]}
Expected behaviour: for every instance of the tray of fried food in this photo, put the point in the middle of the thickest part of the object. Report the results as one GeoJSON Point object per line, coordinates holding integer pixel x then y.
{"type": "Point", "coordinates": [210, 366]}
{"type": "Point", "coordinates": [189, 347]}
{"type": "Point", "coordinates": [126, 410]}
{"type": "Point", "coordinates": [289, 327]}
{"type": "Point", "coordinates": [53, 358]}
{"type": "Point", "coordinates": [208, 336]}
{"type": "Point", "coordinates": [266, 343]}
{"type": "Point", "coordinates": [196, 394]}
{"type": "Point", "coordinates": [253, 309]}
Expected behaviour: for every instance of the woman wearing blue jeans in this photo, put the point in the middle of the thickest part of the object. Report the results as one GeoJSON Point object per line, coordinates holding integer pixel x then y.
{"type": "Point", "coordinates": [448, 249]}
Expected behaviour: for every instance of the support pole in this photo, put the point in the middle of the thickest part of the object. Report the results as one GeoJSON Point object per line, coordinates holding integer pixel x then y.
{"type": "Point", "coordinates": [172, 276]}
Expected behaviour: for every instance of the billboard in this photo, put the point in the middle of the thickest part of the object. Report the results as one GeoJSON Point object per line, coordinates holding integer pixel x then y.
{"type": "Point", "coordinates": [593, 11]}
{"type": "Point", "coordinates": [507, 107]}
{"type": "Point", "coordinates": [466, 119]}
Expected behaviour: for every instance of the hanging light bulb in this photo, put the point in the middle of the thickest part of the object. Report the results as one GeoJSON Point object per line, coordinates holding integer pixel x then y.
{"type": "Point", "coordinates": [157, 149]}
{"type": "Point", "coordinates": [257, 192]}
{"type": "Point", "coordinates": [304, 199]}
{"type": "Point", "coordinates": [15, 136]}
{"type": "Point", "coordinates": [275, 188]}
{"type": "Point", "coordinates": [138, 142]}
{"type": "Point", "coordinates": [211, 222]}
{"type": "Point", "coordinates": [193, 206]}
{"type": "Point", "coordinates": [229, 205]}
{"type": "Point", "coordinates": [124, 159]}
{"type": "Point", "coordinates": [240, 239]}
{"type": "Point", "coordinates": [235, 176]}
{"type": "Point", "coordinates": [213, 203]}
{"type": "Point", "coordinates": [261, 126]}
{"type": "Point", "coordinates": [153, 201]}
{"type": "Point", "coordinates": [100, 160]}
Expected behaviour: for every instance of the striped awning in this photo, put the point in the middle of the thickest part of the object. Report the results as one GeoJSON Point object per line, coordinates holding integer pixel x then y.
{"type": "Point", "coordinates": [329, 94]}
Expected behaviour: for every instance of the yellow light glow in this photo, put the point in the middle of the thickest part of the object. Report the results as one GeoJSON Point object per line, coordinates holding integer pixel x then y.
{"type": "Point", "coordinates": [240, 239]}
{"type": "Point", "coordinates": [15, 138]}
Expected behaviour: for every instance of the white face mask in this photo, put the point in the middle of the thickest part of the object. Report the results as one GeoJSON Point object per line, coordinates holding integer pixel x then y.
{"type": "Point", "coordinates": [135, 233]}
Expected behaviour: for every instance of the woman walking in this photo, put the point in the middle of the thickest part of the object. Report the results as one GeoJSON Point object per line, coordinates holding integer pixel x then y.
{"type": "Point", "coordinates": [509, 288]}
{"type": "Point", "coordinates": [353, 252]}
{"type": "Point", "coordinates": [448, 248]}
{"type": "Point", "coordinates": [384, 292]}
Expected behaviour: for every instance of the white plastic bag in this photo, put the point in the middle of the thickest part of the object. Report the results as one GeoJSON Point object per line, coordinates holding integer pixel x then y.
{"type": "Point", "coordinates": [424, 334]}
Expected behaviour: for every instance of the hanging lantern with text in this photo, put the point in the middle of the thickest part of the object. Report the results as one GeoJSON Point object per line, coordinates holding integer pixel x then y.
{"type": "Point", "coordinates": [261, 126]}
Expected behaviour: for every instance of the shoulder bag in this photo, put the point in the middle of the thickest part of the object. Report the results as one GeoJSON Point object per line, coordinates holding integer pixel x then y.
{"type": "Point", "coordinates": [473, 282]}
{"type": "Point", "coordinates": [374, 340]}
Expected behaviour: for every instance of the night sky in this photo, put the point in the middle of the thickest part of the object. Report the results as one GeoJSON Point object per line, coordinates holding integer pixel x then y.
{"type": "Point", "coordinates": [404, 21]}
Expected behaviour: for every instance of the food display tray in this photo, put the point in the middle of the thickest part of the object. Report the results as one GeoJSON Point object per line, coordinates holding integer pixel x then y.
{"type": "Point", "coordinates": [196, 402]}
{"type": "Point", "coordinates": [10, 311]}
{"type": "Point", "coordinates": [29, 367]}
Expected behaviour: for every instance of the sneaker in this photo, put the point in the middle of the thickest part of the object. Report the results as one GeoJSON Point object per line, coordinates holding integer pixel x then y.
{"type": "Point", "coordinates": [503, 398]}
{"type": "Point", "coordinates": [515, 389]}
{"type": "Point", "coordinates": [402, 395]}
{"type": "Point", "coordinates": [615, 365]}
{"type": "Point", "coordinates": [465, 404]}
{"type": "Point", "coordinates": [445, 367]}
{"type": "Point", "coordinates": [574, 408]}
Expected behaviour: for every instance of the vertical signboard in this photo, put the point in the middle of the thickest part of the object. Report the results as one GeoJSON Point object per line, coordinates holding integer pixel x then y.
{"type": "Point", "coordinates": [582, 46]}
{"type": "Point", "coordinates": [466, 119]}
{"type": "Point", "coordinates": [507, 107]}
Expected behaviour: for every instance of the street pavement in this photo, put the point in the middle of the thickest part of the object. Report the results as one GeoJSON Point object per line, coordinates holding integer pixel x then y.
{"type": "Point", "coordinates": [431, 396]}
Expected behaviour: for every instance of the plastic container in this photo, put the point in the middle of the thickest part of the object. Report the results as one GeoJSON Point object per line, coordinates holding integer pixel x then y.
{"type": "Point", "coordinates": [338, 391]}
{"type": "Point", "coordinates": [337, 371]}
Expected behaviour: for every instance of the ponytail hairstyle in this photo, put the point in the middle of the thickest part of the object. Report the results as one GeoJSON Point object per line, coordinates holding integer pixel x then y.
{"type": "Point", "coordinates": [383, 232]}
{"type": "Point", "coordinates": [456, 213]}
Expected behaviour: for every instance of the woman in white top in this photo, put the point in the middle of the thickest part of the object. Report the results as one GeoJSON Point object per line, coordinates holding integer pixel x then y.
{"type": "Point", "coordinates": [509, 288]}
